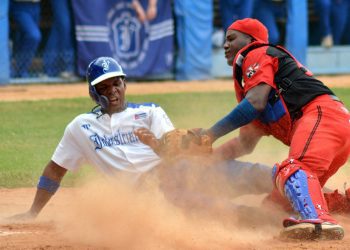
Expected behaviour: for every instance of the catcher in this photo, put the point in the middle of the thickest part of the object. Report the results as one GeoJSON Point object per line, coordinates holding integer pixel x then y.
{"type": "Point", "coordinates": [278, 96]}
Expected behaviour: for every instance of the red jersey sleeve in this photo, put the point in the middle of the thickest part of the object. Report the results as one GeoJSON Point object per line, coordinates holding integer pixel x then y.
{"type": "Point", "coordinates": [258, 67]}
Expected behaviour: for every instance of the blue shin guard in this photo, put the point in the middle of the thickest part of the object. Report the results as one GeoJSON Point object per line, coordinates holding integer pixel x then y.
{"type": "Point", "coordinates": [297, 191]}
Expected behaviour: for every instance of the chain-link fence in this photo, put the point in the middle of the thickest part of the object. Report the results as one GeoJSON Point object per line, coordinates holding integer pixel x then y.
{"type": "Point", "coordinates": [43, 47]}
{"type": "Point", "coordinates": [42, 42]}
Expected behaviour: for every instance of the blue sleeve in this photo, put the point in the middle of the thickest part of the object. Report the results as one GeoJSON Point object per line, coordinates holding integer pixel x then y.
{"type": "Point", "coordinates": [241, 115]}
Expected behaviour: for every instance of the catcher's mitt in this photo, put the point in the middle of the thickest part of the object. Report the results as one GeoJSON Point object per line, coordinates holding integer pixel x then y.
{"type": "Point", "coordinates": [183, 141]}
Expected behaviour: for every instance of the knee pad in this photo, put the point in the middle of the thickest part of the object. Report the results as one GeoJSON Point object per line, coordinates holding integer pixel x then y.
{"type": "Point", "coordinates": [281, 172]}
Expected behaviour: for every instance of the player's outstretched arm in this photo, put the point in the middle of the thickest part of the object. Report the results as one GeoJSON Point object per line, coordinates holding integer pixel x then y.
{"type": "Point", "coordinates": [48, 184]}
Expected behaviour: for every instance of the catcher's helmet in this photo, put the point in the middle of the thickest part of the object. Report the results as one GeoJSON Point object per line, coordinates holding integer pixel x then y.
{"type": "Point", "coordinates": [100, 69]}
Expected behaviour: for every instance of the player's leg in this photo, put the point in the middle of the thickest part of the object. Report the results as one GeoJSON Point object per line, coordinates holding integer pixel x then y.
{"type": "Point", "coordinates": [302, 188]}
{"type": "Point", "coordinates": [199, 187]}
{"type": "Point", "coordinates": [300, 178]}
{"type": "Point", "coordinates": [225, 179]}
{"type": "Point", "coordinates": [246, 177]}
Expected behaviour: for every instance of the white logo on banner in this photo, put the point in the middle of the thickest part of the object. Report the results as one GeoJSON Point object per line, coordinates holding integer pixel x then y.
{"type": "Point", "coordinates": [125, 36]}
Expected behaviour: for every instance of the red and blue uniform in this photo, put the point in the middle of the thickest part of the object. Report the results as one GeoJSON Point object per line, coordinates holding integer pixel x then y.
{"type": "Point", "coordinates": [302, 113]}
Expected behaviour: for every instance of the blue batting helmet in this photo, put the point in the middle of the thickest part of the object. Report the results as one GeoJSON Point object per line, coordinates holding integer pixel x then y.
{"type": "Point", "coordinates": [100, 69]}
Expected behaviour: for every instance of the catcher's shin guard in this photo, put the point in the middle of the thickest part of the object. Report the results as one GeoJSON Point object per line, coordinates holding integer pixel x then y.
{"type": "Point", "coordinates": [303, 190]}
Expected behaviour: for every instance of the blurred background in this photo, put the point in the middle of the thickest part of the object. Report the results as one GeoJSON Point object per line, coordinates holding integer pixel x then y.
{"type": "Point", "coordinates": [52, 41]}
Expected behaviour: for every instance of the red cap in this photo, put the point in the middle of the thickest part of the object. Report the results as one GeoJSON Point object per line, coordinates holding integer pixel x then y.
{"type": "Point", "coordinates": [252, 27]}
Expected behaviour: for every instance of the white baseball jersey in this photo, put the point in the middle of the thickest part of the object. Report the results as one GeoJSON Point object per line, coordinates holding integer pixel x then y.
{"type": "Point", "coordinates": [109, 143]}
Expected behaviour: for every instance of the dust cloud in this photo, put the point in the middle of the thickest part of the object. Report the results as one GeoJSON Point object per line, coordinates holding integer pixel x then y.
{"type": "Point", "coordinates": [187, 211]}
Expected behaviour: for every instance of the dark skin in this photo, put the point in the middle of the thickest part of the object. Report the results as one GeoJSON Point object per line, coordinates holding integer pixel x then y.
{"type": "Point", "coordinates": [114, 89]}
{"type": "Point", "coordinates": [234, 42]}
{"type": "Point", "coordinates": [53, 172]}
{"type": "Point", "coordinates": [249, 136]}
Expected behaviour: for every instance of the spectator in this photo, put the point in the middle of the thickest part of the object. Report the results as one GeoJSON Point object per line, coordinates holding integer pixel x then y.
{"type": "Point", "coordinates": [346, 33]}
{"type": "Point", "coordinates": [232, 10]}
{"type": "Point", "coordinates": [26, 15]}
{"type": "Point", "coordinates": [149, 14]}
{"type": "Point", "coordinates": [59, 51]}
{"type": "Point", "coordinates": [332, 20]}
{"type": "Point", "coordinates": [268, 12]}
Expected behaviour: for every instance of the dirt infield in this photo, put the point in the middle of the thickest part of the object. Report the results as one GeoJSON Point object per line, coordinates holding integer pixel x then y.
{"type": "Point", "coordinates": [97, 217]}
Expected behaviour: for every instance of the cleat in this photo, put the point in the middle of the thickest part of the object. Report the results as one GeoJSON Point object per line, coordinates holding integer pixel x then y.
{"type": "Point", "coordinates": [311, 231]}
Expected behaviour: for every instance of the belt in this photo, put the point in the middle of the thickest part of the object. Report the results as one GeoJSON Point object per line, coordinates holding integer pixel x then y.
{"type": "Point", "coordinates": [299, 113]}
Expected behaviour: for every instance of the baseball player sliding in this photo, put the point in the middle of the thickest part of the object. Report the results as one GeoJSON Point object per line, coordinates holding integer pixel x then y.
{"type": "Point", "coordinates": [278, 96]}
{"type": "Point", "coordinates": [107, 139]}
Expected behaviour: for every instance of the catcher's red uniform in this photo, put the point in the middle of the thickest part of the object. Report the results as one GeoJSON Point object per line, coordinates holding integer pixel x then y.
{"type": "Point", "coordinates": [302, 113]}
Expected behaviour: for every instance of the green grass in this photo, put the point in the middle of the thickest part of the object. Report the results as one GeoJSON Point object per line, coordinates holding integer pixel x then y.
{"type": "Point", "coordinates": [30, 130]}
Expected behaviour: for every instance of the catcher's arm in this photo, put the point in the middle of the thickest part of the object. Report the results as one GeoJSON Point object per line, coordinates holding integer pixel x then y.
{"type": "Point", "coordinates": [53, 172]}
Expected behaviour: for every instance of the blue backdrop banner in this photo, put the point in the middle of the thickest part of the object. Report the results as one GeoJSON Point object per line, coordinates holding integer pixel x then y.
{"type": "Point", "coordinates": [111, 28]}
{"type": "Point", "coordinates": [194, 29]}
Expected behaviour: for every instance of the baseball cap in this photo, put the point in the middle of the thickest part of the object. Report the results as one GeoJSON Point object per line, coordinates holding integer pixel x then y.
{"type": "Point", "coordinates": [252, 27]}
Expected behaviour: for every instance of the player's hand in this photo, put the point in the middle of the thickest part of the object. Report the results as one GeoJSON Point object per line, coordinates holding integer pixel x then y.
{"type": "Point", "coordinates": [147, 137]}
{"type": "Point", "coordinates": [22, 217]}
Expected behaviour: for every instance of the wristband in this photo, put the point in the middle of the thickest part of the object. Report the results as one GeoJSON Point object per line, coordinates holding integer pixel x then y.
{"type": "Point", "coordinates": [47, 184]}
{"type": "Point", "coordinates": [241, 115]}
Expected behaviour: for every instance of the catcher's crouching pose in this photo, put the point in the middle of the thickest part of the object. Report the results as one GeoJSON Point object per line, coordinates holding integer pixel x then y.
{"type": "Point", "coordinates": [278, 96]}
{"type": "Point", "coordinates": [106, 138]}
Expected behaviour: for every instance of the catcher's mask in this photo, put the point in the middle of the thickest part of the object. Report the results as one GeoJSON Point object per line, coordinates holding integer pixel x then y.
{"type": "Point", "coordinates": [100, 69]}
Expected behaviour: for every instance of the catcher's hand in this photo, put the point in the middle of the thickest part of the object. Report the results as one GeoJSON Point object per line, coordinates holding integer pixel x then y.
{"type": "Point", "coordinates": [177, 142]}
